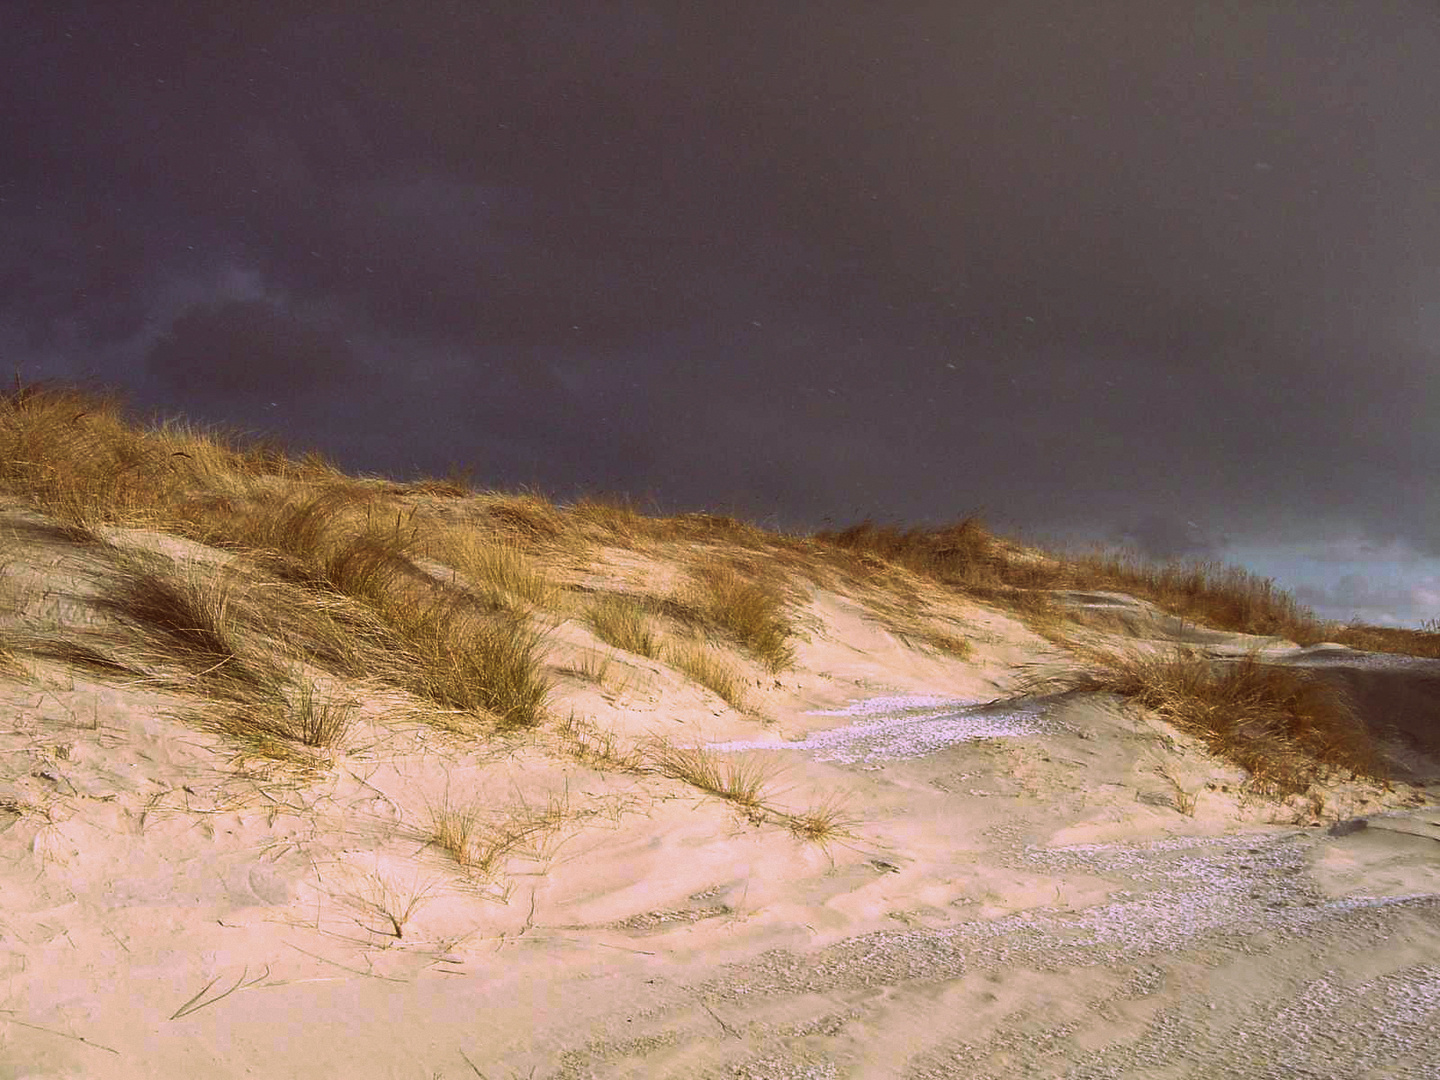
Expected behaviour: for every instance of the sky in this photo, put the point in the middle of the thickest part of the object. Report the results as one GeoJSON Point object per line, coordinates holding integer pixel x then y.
{"type": "Point", "coordinates": [1147, 272]}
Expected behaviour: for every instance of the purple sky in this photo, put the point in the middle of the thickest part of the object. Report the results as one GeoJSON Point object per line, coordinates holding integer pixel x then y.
{"type": "Point", "coordinates": [1157, 270]}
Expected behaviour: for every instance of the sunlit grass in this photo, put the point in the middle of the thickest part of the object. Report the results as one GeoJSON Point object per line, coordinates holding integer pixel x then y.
{"type": "Point", "coordinates": [623, 622]}
{"type": "Point", "coordinates": [741, 782]}
{"type": "Point", "coordinates": [708, 668]}
{"type": "Point", "coordinates": [1284, 726]}
{"type": "Point", "coordinates": [746, 611]}
{"type": "Point", "coordinates": [499, 572]}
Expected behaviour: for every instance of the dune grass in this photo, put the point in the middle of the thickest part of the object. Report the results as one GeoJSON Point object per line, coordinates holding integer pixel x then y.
{"type": "Point", "coordinates": [1282, 725]}
{"type": "Point", "coordinates": [708, 668]}
{"type": "Point", "coordinates": [623, 622]}
{"type": "Point", "coordinates": [746, 784]}
{"type": "Point", "coordinates": [500, 573]}
{"type": "Point", "coordinates": [339, 573]}
{"type": "Point", "coordinates": [188, 630]}
{"type": "Point", "coordinates": [750, 613]}
{"type": "Point", "coordinates": [181, 617]}
{"type": "Point", "coordinates": [443, 642]}
{"type": "Point", "coordinates": [588, 743]}
{"type": "Point", "coordinates": [824, 823]}
{"type": "Point", "coordinates": [74, 454]}
{"type": "Point", "coordinates": [742, 782]}
{"type": "Point", "coordinates": [1391, 639]}
{"type": "Point", "coordinates": [478, 840]}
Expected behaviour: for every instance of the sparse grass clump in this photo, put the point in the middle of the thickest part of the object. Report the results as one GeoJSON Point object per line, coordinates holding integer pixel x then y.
{"type": "Point", "coordinates": [751, 614]}
{"type": "Point", "coordinates": [739, 782]}
{"type": "Point", "coordinates": [824, 823]}
{"type": "Point", "coordinates": [273, 727]}
{"type": "Point", "coordinates": [1282, 725]}
{"type": "Point", "coordinates": [623, 622]}
{"type": "Point", "coordinates": [478, 840]}
{"type": "Point", "coordinates": [593, 745]}
{"type": "Point", "coordinates": [706, 667]}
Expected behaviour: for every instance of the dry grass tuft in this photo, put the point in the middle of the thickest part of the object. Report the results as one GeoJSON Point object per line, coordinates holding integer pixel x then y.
{"type": "Point", "coordinates": [275, 729]}
{"type": "Point", "coordinates": [383, 906]}
{"type": "Point", "coordinates": [623, 622]}
{"type": "Point", "coordinates": [184, 618]}
{"type": "Point", "coordinates": [741, 782]}
{"type": "Point", "coordinates": [479, 842]}
{"type": "Point", "coordinates": [824, 823]}
{"type": "Point", "coordinates": [600, 668]}
{"type": "Point", "coordinates": [963, 555]}
{"type": "Point", "coordinates": [1283, 726]}
{"type": "Point", "coordinates": [463, 658]}
{"type": "Point", "coordinates": [708, 668]}
{"type": "Point", "coordinates": [526, 516]}
{"type": "Point", "coordinates": [499, 573]}
{"type": "Point", "coordinates": [598, 746]}
{"type": "Point", "coordinates": [949, 644]}
{"type": "Point", "coordinates": [750, 613]}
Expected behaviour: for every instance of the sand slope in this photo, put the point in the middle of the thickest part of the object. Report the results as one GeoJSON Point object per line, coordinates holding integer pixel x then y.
{"type": "Point", "coordinates": [1059, 886]}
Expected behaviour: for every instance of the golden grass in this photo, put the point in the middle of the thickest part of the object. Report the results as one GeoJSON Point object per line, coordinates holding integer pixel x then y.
{"type": "Point", "coordinates": [500, 573]}
{"type": "Point", "coordinates": [708, 668]}
{"type": "Point", "coordinates": [478, 841]}
{"type": "Point", "coordinates": [1284, 726]}
{"type": "Point", "coordinates": [745, 784]}
{"type": "Point", "coordinates": [963, 555]}
{"type": "Point", "coordinates": [181, 617]}
{"type": "Point", "coordinates": [824, 823]}
{"type": "Point", "coordinates": [750, 613]}
{"type": "Point", "coordinates": [741, 782]}
{"type": "Point", "coordinates": [1205, 591]}
{"type": "Point", "coordinates": [464, 659]}
{"type": "Point", "coordinates": [442, 643]}
{"type": "Point", "coordinates": [72, 453]}
{"type": "Point", "coordinates": [623, 622]}
{"type": "Point", "coordinates": [334, 575]}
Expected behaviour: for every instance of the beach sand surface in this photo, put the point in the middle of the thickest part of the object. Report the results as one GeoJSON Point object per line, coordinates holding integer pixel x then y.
{"type": "Point", "coordinates": [1043, 886]}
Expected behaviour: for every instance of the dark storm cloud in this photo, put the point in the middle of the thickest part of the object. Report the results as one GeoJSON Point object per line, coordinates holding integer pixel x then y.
{"type": "Point", "coordinates": [246, 349]}
{"type": "Point", "coordinates": [1150, 270]}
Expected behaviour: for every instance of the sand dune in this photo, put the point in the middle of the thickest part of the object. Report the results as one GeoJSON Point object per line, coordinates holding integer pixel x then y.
{"type": "Point", "coordinates": [941, 876]}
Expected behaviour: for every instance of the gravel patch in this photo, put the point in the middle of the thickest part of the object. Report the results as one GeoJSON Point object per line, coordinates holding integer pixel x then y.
{"type": "Point", "coordinates": [908, 726]}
